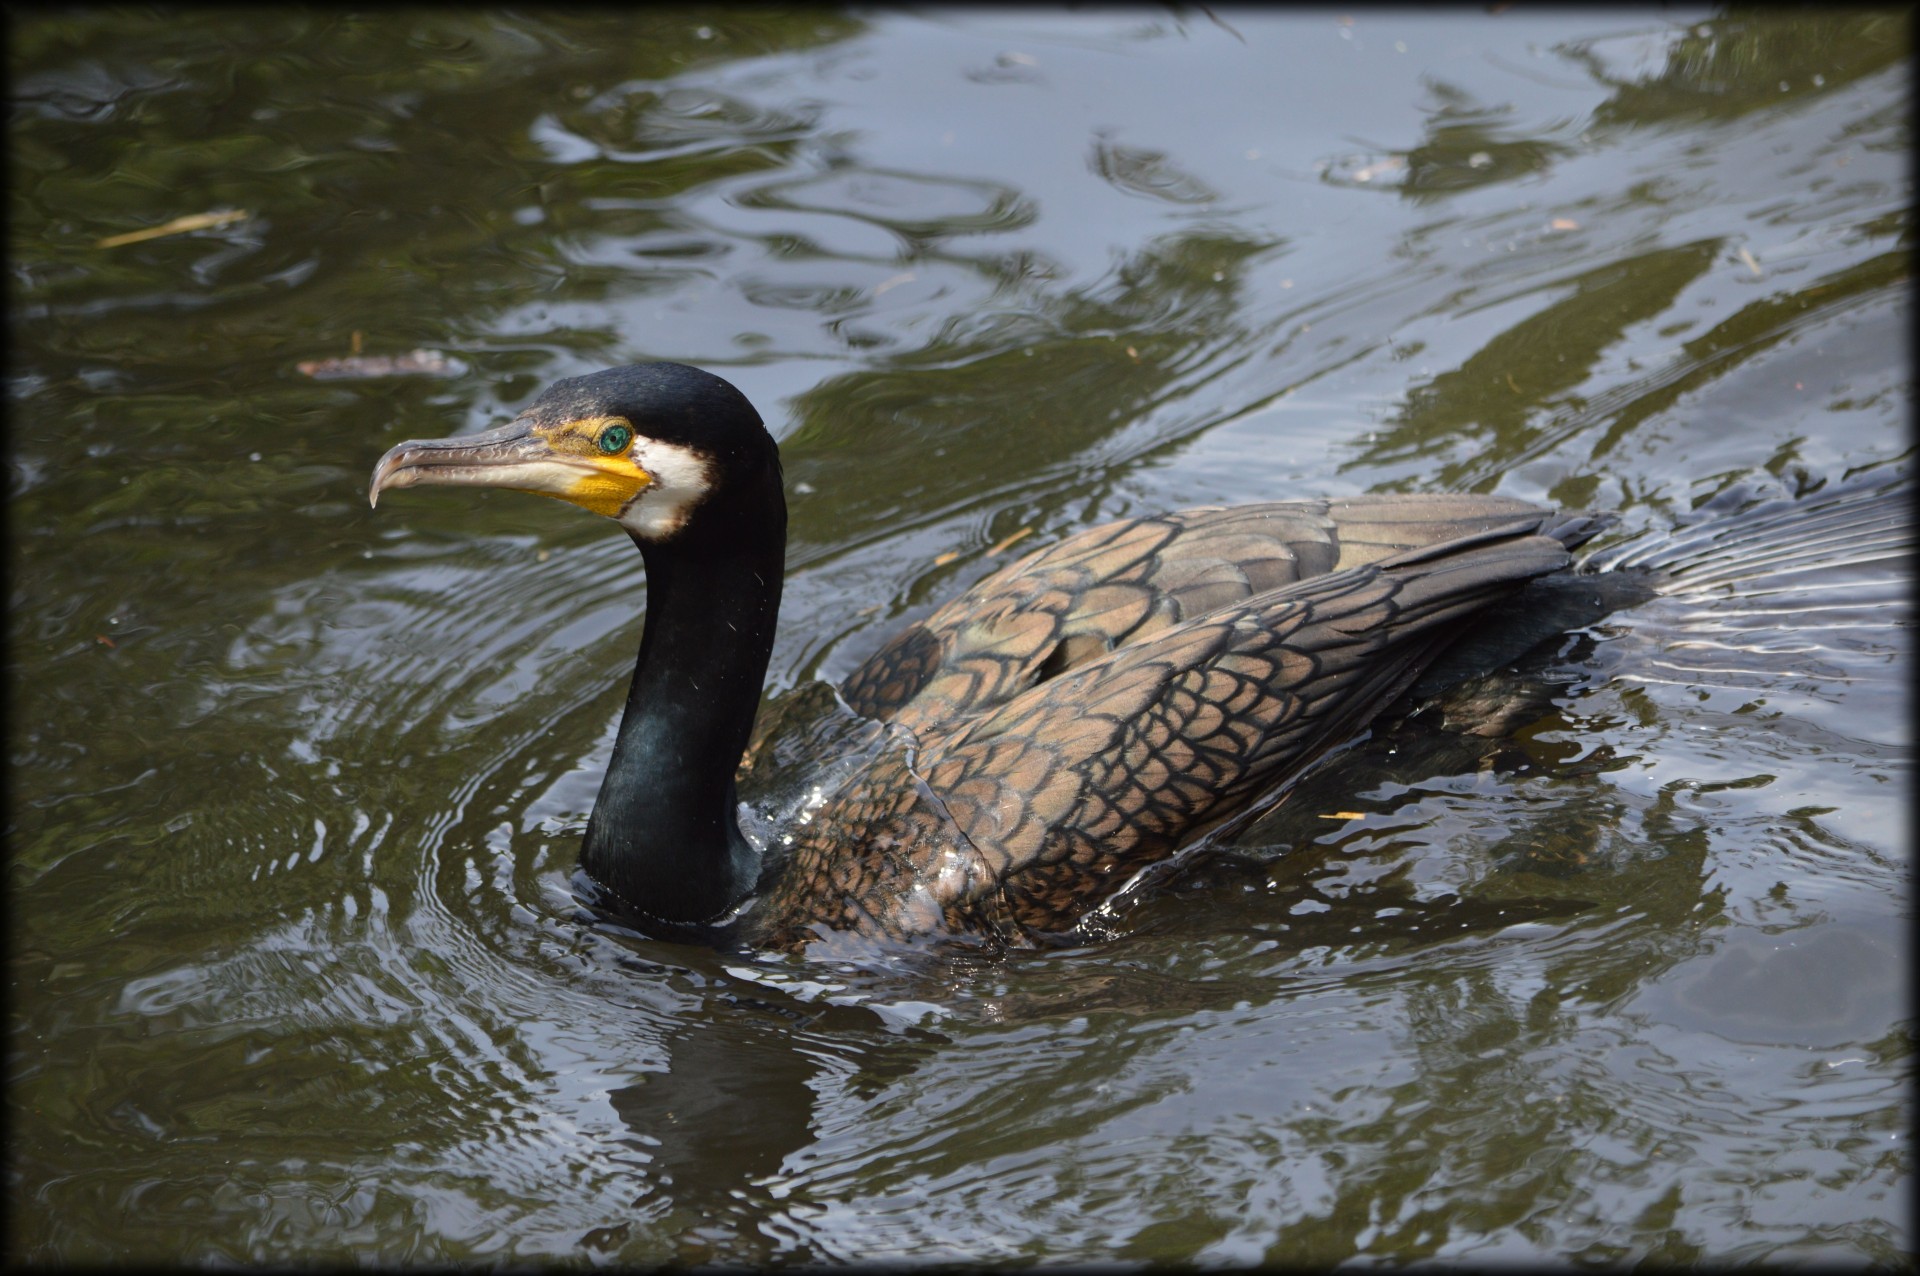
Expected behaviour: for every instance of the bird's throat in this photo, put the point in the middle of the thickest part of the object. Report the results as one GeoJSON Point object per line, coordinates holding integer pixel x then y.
{"type": "Point", "coordinates": [664, 836]}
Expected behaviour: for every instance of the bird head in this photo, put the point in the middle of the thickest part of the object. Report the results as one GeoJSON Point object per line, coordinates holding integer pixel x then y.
{"type": "Point", "coordinates": [644, 445]}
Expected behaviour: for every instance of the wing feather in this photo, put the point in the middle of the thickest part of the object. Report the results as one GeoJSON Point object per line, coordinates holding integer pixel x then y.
{"type": "Point", "coordinates": [1031, 813]}
{"type": "Point", "coordinates": [1071, 604]}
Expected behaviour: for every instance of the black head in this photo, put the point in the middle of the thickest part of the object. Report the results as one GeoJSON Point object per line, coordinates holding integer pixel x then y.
{"type": "Point", "coordinates": [645, 445]}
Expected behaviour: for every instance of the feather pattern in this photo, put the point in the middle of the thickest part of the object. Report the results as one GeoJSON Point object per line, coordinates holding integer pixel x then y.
{"type": "Point", "coordinates": [1093, 708]}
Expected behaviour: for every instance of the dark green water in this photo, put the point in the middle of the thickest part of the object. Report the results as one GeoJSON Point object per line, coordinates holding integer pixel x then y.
{"type": "Point", "coordinates": [296, 788]}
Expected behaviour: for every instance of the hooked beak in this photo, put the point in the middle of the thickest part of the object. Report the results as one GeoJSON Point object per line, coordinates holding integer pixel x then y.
{"type": "Point", "coordinates": [519, 456]}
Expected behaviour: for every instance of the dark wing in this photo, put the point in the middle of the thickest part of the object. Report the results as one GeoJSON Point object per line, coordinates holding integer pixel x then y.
{"type": "Point", "coordinates": [1026, 817]}
{"type": "Point", "coordinates": [1063, 607]}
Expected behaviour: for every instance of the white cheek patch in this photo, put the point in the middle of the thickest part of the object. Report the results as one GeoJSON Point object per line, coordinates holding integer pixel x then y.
{"type": "Point", "coordinates": [681, 480]}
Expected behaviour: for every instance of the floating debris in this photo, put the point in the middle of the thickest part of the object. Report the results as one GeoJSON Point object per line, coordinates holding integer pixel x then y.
{"type": "Point", "coordinates": [415, 363]}
{"type": "Point", "coordinates": [1001, 546]}
{"type": "Point", "coordinates": [178, 226]}
{"type": "Point", "coordinates": [1364, 167]}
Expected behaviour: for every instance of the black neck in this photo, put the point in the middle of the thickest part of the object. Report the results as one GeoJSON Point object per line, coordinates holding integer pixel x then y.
{"type": "Point", "coordinates": [663, 835]}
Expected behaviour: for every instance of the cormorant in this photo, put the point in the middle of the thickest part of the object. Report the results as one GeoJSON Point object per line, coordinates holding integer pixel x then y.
{"type": "Point", "coordinates": [1075, 719]}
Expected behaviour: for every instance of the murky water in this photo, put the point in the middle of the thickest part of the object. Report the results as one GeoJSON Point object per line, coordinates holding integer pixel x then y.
{"type": "Point", "coordinates": [296, 788]}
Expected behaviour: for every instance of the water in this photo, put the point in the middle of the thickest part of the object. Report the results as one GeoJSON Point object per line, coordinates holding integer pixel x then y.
{"type": "Point", "coordinates": [296, 788]}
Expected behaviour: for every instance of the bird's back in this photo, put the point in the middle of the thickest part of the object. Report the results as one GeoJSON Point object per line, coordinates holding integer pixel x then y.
{"type": "Point", "coordinates": [1082, 598]}
{"type": "Point", "coordinates": [1092, 709]}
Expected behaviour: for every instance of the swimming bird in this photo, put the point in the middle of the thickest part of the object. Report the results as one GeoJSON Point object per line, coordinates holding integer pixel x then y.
{"type": "Point", "coordinates": [1073, 722]}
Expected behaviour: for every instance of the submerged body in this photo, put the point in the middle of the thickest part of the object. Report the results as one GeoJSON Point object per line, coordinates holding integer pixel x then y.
{"type": "Point", "coordinates": [1073, 721]}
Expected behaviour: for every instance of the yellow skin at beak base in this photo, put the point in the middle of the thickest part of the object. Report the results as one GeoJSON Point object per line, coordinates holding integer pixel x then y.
{"type": "Point", "coordinates": [606, 492]}
{"type": "Point", "coordinates": [611, 482]}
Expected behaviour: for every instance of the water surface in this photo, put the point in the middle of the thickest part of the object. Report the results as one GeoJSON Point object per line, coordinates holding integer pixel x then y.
{"type": "Point", "coordinates": [297, 788]}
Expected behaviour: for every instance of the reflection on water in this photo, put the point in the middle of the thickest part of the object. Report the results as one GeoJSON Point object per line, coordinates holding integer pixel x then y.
{"type": "Point", "coordinates": [1599, 956]}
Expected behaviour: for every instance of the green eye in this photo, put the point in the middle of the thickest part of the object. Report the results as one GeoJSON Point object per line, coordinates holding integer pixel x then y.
{"type": "Point", "coordinates": [615, 439]}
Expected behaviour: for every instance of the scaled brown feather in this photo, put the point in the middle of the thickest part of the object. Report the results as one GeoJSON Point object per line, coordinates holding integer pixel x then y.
{"type": "Point", "coordinates": [1228, 649]}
